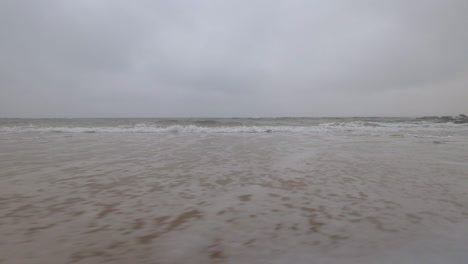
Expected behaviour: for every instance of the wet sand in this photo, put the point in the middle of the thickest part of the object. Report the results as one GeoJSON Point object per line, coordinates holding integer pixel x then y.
{"type": "Point", "coordinates": [232, 198]}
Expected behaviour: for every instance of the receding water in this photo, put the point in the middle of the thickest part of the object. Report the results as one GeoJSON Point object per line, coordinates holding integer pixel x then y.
{"type": "Point", "coordinates": [276, 190]}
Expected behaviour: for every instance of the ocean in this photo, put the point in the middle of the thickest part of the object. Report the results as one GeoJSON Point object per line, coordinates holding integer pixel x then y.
{"type": "Point", "coordinates": [235, 190]}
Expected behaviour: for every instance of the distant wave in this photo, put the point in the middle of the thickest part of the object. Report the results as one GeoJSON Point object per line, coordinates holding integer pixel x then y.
{"type": "Point", "coordinates": [219, 128]}
{"type": "Point", "coordinates": [460, 119]}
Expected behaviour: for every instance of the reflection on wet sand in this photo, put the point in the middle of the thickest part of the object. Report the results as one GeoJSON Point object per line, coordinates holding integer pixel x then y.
{"type": "Point", "coordinates": [228, 198]}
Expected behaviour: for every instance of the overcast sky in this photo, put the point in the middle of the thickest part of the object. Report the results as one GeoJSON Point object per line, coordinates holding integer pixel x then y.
{"type": "Point", "coordinates": [223, 58]}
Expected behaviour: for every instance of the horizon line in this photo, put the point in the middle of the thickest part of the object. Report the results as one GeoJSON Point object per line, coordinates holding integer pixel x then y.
{"type": "Point", "coordinates": [232, 117]}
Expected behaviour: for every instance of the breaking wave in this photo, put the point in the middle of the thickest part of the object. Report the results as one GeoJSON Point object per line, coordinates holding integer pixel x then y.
{"type": "Point", "coordinates": [359, 126]}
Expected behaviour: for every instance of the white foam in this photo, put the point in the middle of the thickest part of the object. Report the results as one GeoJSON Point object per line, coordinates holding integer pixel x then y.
{"type": "Point", "coordinates": [156, 129]}
{"type": "Point", "coordinates": [356, 126]}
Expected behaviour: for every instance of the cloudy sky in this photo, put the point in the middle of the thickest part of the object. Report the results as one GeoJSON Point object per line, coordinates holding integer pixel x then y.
{"type": "Point", "coordinates": [192, 58]}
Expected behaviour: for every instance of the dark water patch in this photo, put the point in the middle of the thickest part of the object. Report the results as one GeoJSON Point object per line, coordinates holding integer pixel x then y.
{"type": "Point", "coordinates": [172, 225]}
{"type": "Point", "coordinates": [245, 198]}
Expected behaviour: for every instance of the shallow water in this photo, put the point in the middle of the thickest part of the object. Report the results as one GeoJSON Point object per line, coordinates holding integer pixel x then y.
{"type": "Point", "coordinates": [328, 192]}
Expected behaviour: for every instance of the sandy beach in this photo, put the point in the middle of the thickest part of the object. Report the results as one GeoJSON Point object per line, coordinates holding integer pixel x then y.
{"type": "Point", "coordinates": [232, 198]}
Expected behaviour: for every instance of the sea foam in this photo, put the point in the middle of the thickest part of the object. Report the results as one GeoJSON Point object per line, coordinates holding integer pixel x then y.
{"type": "Point", "coordinates": [358, 126]}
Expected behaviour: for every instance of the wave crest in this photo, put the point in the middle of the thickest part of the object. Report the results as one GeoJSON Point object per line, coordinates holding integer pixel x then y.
{"type": "Point", "coordinates": [359, 126]}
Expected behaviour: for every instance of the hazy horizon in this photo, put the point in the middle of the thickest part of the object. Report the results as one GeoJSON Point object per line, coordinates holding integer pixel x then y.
{"type": "Point", "coordinates": [225, 117]}
{"type": "Point", "coordinates": [86, 59]}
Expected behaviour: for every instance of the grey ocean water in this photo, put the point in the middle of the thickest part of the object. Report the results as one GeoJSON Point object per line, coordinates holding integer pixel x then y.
{"type": "Point", "coordinates": [238, 190]}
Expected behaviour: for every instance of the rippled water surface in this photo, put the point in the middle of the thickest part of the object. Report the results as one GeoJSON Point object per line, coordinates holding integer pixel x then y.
{"type": "Point", "coordinates": [233, 191]}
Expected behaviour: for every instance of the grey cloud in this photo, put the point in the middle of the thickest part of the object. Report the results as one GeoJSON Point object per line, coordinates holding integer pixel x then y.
{"type": "Point", "coordinates": [231, 58]}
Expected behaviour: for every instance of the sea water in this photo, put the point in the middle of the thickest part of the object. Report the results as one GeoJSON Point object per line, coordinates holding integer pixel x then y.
{"type": "Point", "coordinates": [238, 190]}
